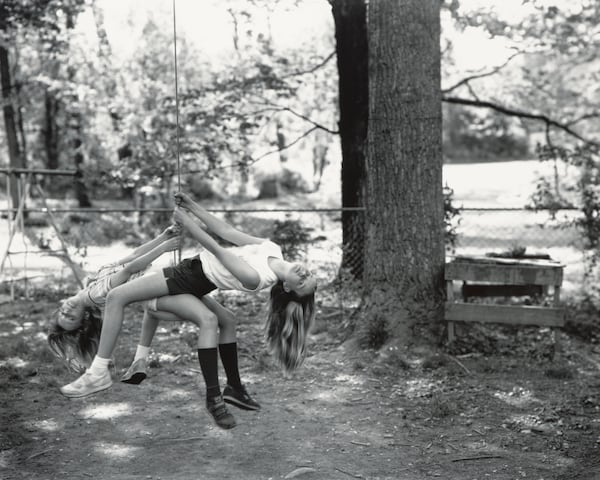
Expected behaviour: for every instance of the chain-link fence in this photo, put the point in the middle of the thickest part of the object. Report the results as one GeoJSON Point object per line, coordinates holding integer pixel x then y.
{"type": "Point", "coordinates": [94, 237]}
{"type": "Point", "coordinates": [328, 240]}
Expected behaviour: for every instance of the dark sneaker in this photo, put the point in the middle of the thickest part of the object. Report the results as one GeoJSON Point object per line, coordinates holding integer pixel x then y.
{"type": "Point", "coordinates": [136, 373]}
{"type": "Point", "coordinates": [240, 398]}
{"type": "Point", "coordinates": [217, 408]}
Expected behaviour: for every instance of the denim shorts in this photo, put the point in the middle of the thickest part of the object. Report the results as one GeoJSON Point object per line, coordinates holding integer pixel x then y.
{"type": "Point", "coordinates": [188, 277]}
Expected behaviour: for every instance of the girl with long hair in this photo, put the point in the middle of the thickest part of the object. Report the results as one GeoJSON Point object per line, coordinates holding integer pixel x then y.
{"type": "Point", "coordinates": [251, 265]}
{"type": "Point", "coordinates": [75, 329]}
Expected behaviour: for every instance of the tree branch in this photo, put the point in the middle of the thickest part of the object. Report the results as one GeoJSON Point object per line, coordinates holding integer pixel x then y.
{"type": "Point", "coordinates": [313, 69]}
{"type": "Point", "coordinates": [252, 161]}
{"type": "Point", "coordinates": [521, 114]}
{"type": "Point", "coordinates": [278, 108]}
{"type": "Point", "coordinates": [465, 81]}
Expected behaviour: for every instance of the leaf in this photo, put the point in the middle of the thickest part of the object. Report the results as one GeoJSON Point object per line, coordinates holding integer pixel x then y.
{"type": "Point", "coordinates": [299, 471]}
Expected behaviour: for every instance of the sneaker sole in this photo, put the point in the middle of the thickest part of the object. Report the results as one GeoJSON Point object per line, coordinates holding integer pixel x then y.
{"type": "Point", "coordinates": [87, 394]}
{"type": "Point", "coordinates": [236, 403]}
{"type": "Point", "coordinates": [135, 379]}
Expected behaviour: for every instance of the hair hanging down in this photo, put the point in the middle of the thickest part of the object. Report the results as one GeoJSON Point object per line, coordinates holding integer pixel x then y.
{"type": "Point", "coordinates": [288, 323]}
{"type": "Point", "coordinates": [77, 347]}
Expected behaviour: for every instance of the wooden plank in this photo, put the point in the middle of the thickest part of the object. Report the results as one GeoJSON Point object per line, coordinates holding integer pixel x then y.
{"type": "Point", "coordinates": [509, 314]}
{"type": "Point", "coordinates": [496, 290]}
{"type": "Point", "coordinates": [505, 274]}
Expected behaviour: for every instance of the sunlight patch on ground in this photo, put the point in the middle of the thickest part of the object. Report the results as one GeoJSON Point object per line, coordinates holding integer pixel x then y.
{"type": "Point", "coordinates": [167, 357]}
{"type": "Point", "coordinates": [517, 397]}
{"type": "Point", "coordinates": [16, 330]}
{"type": "Point", "coordinates": [175, 394]}
{"type": "Point", "coordinates": [15, 362]}
{"type": "Point", "coordinates": [419, 387]}
{"type": "Point", "coordinates": [526, 422]}
{"type": "Point", "coordinates": [352, 379]}
{"type": "Point", "coordinates": [327, 395]}
{"type": "Point", "coordinates": [106, 411]}
{"type": "Point", "coordinates": [49, 425]}
{"type": "Point", "coordinates": [117, 450]}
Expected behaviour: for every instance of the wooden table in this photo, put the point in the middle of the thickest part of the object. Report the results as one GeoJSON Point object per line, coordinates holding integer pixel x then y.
{"type": "Point", "coordinates": [503, 276]}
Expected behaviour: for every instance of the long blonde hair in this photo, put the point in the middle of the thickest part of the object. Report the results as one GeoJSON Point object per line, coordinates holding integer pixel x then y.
{"type": "Point", "coordinates": [77, 347]}
{"type": "Point", "coordinates": [288, 323]}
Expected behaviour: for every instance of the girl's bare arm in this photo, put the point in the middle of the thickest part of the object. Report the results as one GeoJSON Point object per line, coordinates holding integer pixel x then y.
{"type": "Point", "coordinates": [214, 224]}
{"type": "Point", "coordinates": [167, 233]}
{"type": "Point", "coordinates": [247, 276]}
{"type": "Point", "coordinates": [142, 261]}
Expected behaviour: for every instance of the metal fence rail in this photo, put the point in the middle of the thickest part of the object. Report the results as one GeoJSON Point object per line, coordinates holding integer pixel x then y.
{"type": "Point", "coordinates": [93, 234]}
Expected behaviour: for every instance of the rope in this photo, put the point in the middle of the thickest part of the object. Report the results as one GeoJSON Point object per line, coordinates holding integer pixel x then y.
{"type": "Point", "coordinates": [177, 254]}
{"type": "Point", "coordinates": [176, 97]}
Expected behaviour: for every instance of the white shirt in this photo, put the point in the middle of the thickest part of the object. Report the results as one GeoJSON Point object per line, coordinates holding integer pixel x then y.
{"type": "Point", "coordinates": [256, 255]}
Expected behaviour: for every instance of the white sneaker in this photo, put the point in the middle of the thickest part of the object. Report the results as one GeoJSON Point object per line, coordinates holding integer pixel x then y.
{"type": "Point", "coordinates": [87, 384]}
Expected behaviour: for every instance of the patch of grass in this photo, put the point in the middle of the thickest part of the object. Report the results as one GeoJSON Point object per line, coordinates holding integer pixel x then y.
{"type": "Point", "coordinates": [440, 407]}
{"type": "Point", "coordinates": [376, 333]}
{"type": "Point", "coordinates": [17, 348]}
{"type": "Point", "coordinates": [358, 366]}
{"type": "Point", "coordinates": [395, 361]}
{"type": "Point", "coordinates": [435, 361]}
{"type": "Point", "coordinates": [11, 373]}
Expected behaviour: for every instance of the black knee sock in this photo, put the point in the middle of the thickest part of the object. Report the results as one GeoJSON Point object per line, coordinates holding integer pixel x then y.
{"type": "Point", "coordinates": [208, 359]}
{"type": "Point", "coordinates": [229, 358]}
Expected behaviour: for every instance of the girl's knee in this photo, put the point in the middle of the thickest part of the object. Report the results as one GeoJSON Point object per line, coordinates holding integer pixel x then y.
{"type": "Point", "coordinates": [227, 320]}
{"type": "Point", "coordinates": [207, 320]}
{"type": "Point", "coordinates": [116, 297]}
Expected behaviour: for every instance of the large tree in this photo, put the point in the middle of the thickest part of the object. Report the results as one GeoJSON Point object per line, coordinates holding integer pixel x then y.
{"type": "Point", "coordinates": [350, 18]}
{"type": "Point", "coordinates": [404, 255]}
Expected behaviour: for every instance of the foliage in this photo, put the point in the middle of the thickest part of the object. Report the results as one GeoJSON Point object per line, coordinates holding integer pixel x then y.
{"type": "Point", "coordinates": [292, 236]}
{"type": "Point", "coordinates": [451, 218]}
{"type": "Point", "coordinates": [375, 333]}
{"type": "Point", "coordinates": [480, 135]}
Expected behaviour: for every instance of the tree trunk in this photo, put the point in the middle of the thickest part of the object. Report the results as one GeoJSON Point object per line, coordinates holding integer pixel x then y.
{"type": "Point", "coordinates": [14, 151]}
{"type": "Point", "coordinates": [405, 207]}
{"type": "Point", "coordinates": [350, 18]}
{"type": "Point", "coordinates": [50, 129]}
{"type": "Point", "coordinates": [75, 124]}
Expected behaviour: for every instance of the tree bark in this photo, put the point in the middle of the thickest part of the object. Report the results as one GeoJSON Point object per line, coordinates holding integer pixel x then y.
{"type": "Point", "coordinates": [405, 206]}
{"type": "Point", "coordinates": [350, 18]}
{"type": "Point", "coordinates": [14, 150]}
{"type": "Point", "coordinates": [50, 129]}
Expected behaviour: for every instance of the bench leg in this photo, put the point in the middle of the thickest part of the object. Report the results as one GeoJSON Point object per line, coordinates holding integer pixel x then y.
{"type": "Point", "coordinates": [450, 298]}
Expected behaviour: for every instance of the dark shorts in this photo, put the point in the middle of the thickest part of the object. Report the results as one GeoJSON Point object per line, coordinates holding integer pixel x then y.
{"type": "Point", "coordinates": [188, 277]}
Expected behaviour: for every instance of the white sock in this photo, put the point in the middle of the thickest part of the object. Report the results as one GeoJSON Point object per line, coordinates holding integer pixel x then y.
{"type": "Point", "coordinates": [99, 366]}
{"type": "Point", "coordinates": [141, 352]}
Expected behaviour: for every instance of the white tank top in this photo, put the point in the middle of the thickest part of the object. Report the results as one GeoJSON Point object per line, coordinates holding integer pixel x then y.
{"type": "Point", "coordinates": [256, 255]}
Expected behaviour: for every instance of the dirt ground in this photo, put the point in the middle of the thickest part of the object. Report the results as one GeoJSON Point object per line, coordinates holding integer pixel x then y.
{"type": "Point", "coordinates": [496, 410]}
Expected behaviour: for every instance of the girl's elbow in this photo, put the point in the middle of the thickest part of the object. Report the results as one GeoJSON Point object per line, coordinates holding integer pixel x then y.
{"type": "Point", "coordinates": [251, 283]}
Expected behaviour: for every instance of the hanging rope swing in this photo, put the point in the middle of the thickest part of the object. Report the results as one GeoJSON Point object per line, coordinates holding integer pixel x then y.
{"type": "Point", "coordinates": [177, 254]}
{"type": "Point", "coordinates": [176, 98]}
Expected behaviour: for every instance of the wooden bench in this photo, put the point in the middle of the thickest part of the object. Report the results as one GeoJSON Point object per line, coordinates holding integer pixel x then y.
{"type": "Point", "coordinates": [503, 277]}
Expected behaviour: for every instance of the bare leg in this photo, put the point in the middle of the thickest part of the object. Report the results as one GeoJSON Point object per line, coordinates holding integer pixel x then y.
{"type": "Point", "coordinates": [143, 288]}
{"type": "Point", "coordinates": [190, 308]}
{"type": "Point", "coordinates": [149, 325]}
{"type": "Point", "coordinates": [227, 321]}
